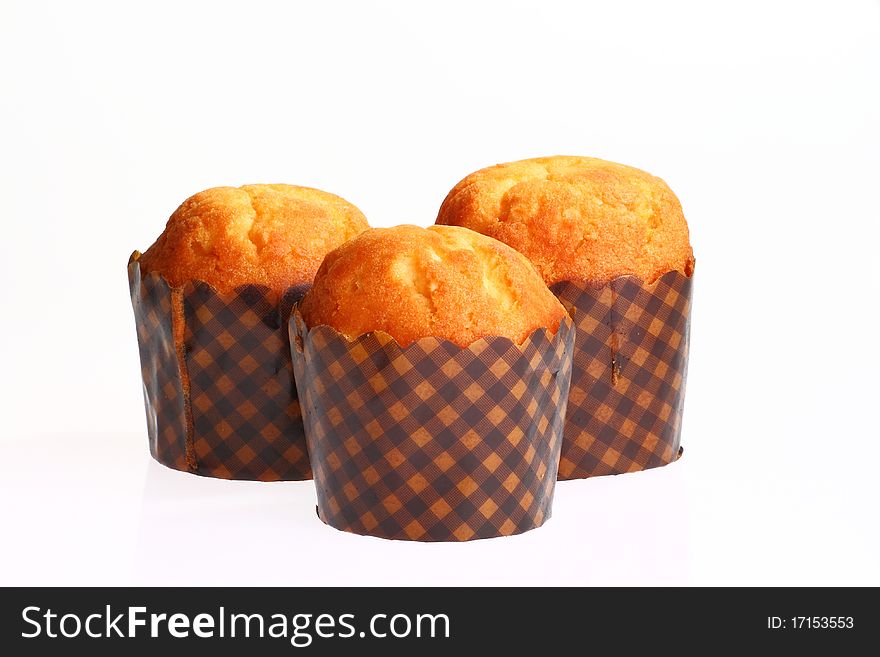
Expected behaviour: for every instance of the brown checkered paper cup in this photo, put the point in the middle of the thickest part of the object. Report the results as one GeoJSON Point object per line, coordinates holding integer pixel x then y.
{"type": "Point", "coordinates": [218, 381]}
{"type": "Point", "coordinates": [628, 379]}
{"type": "Point", "coordinates": [433, 442]}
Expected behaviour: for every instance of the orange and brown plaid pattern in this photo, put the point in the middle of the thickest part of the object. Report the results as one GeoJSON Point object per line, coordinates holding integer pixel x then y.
{"type": "Point", "coordinates": [244, 420]}
{"type": "Point", "coordinates": [628, 380]}
{"type": "Point", "coordinates": [163, 395]}
{"type": "Point", "coordinates": [433, 442]}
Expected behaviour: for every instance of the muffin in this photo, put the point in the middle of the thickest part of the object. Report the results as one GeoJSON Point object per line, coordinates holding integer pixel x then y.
{"type": "Point", "coordinates": [613, 244]}
{"type": "Point", "coordinates": [576, 217]}
{"type": "Point", "coordinates": [212, 298]}
{"type": "Point", "coordinates": [272, 235]}
{"type": "Point", "coordinates": [433, 368]}
{"type": "Point", "coordinates": [443, 282]}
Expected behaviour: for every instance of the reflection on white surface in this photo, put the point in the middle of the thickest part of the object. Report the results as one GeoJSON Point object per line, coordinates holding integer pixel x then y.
{"type": "Point", "coordinates": [207, 531]}
{"type": "Point", "coordinates": [211, 531]}
{"type": "Point", "coordinates": [100, 511]}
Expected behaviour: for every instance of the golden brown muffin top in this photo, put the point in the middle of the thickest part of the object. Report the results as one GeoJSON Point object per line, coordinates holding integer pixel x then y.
{"type": "Point", "coordinates": [274, 235]}
{"type": "Point", "coordinates": [445, 282]}
{"type": "Point", "coordinates": [577, 218]}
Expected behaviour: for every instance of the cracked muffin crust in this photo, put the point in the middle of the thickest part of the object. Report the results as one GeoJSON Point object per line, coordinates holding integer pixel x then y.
{"type": "Point", "coordinates": [576, 218]}
{"type": "Point", "coordinates": [445, 282]}
{"type": "Point", "coordinates": [274, 235]}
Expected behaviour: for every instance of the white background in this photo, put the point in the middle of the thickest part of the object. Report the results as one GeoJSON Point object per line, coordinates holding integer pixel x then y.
{"type": "Point", "coordinates": [764, 117]}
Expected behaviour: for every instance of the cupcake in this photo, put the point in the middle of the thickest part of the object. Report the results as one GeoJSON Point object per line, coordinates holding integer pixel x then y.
{"type": "Point", "coordinates": [613, 244]}
{"type": "Point", "coordinates": [212, 297]}
{"type": "Point", "coordinates": [433, 368]}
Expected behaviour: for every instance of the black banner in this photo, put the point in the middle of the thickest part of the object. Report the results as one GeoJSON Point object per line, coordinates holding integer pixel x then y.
{"type": "Point", "coordinates": [430, 621]}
